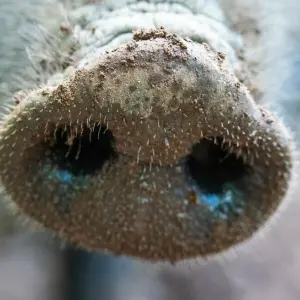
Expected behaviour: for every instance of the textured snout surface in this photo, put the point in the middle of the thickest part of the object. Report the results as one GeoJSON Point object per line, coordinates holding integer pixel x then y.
{"type": "Point", "coordinates": [153, 150]}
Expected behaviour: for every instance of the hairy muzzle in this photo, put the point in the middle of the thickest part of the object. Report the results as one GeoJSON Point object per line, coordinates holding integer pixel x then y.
{"type": "Point", "coordinates": [154, 150]}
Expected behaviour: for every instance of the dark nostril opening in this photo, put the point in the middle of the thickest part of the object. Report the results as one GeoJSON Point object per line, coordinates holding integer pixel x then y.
{"type": "Point", "coordinates": [82, 150]}
{"type": "Point", "coordinates": [212, 165]}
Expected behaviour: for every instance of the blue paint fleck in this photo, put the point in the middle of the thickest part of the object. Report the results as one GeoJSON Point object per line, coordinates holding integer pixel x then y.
{"type": "Point", "coordinates": [211, 200]}
{"type": "Point", "coordinates": [67, 185]}
{"type": "Point", "coordinates": [64, 176]}
{"type": "Point", "coordinates": [223, 205]}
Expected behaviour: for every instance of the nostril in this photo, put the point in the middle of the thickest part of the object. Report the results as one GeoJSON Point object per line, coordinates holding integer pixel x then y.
{"type": "Point", "coordinates": [68, 158]}
{"type": "Point", "coordinates": [79, 150]}
{"type": "Point", "coordinates": [220, 177]}
{"type": "Point", "coordinates": [213, 164]}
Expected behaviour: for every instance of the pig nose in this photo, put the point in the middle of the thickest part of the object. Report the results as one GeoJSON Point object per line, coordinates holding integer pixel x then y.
{"type": "Point", "coordinates": [153, 150]}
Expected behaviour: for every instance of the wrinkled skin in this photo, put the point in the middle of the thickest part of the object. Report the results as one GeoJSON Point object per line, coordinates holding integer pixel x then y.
{"type": "Point", "coordinates": [264, 268]}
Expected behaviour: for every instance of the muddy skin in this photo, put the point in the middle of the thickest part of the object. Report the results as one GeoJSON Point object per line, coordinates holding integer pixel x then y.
{"type": "Point", "coordinates": [159, 109]}
{"type": "Point", "coordinates": [91, 162]}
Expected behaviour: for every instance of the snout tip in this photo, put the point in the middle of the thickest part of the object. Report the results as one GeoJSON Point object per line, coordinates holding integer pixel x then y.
{"type": "Point", "coordinates": [154, 150]}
